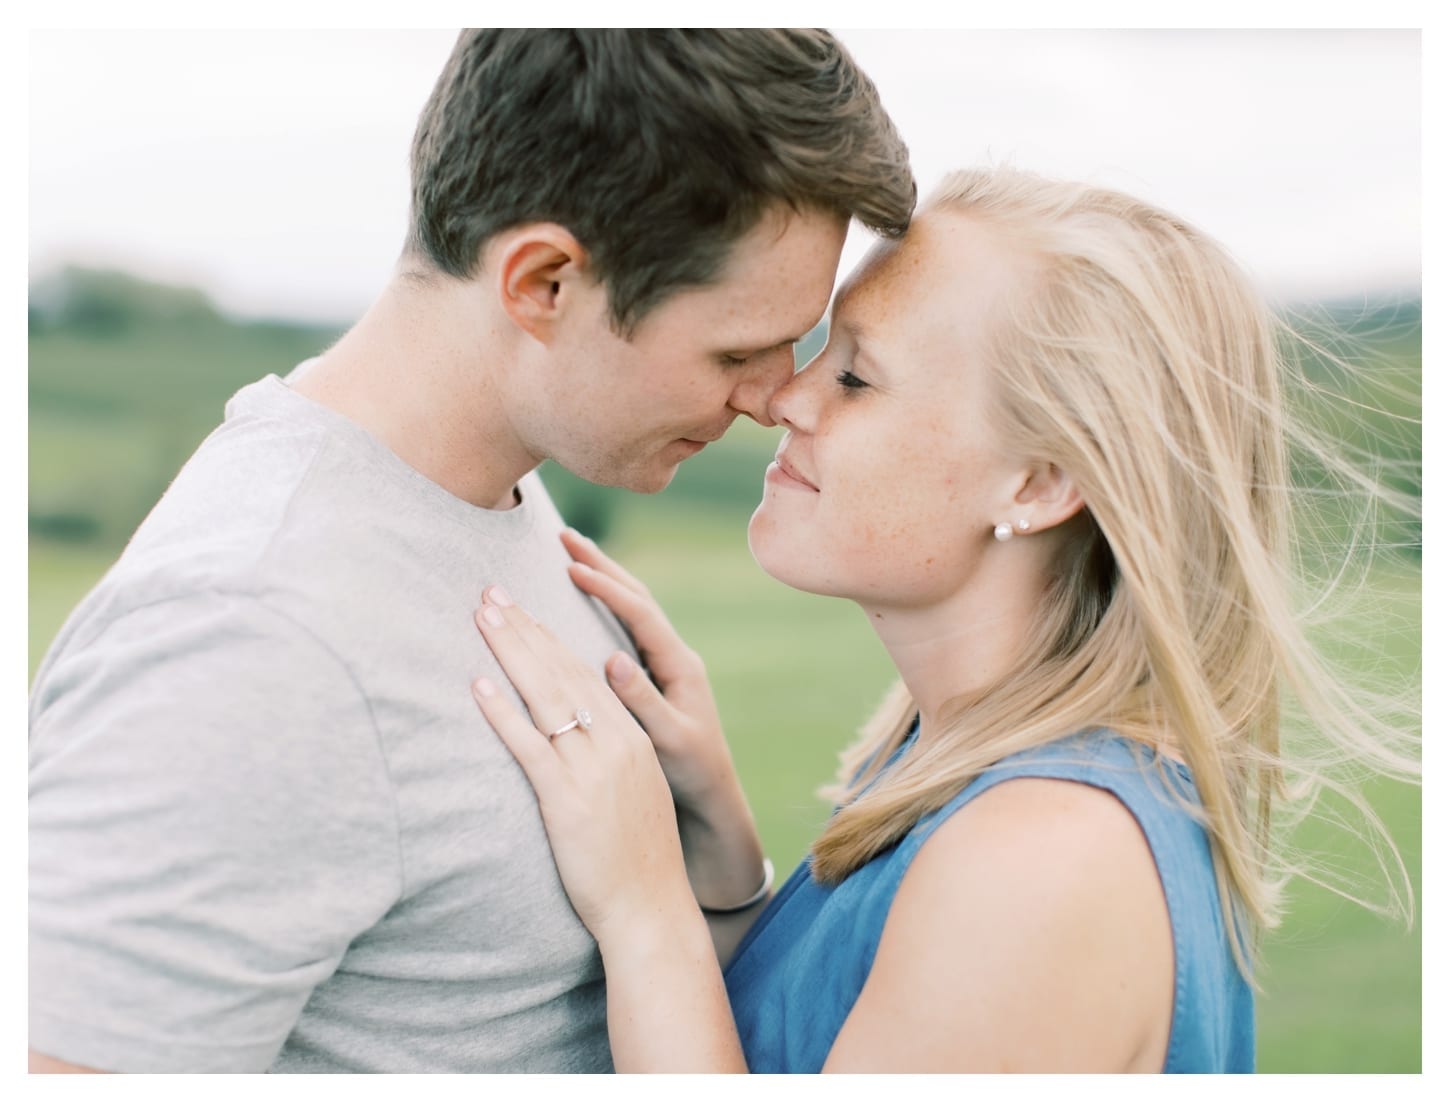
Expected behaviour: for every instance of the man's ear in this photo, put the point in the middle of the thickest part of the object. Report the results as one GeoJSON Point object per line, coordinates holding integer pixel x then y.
{"type": "Point", "coordinates": [540, 268]}
{"type": "Point", "coordinates": [1049, 495]}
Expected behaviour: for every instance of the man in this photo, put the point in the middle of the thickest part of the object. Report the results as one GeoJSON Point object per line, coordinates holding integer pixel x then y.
{"type": "Point", "coordinates": [267, 828]}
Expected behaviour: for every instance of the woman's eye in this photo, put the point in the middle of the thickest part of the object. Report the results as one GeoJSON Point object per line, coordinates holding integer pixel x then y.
{"type": "Point", "coordinates": [733, 361]}
{"type": "Point", "coordinates": [850, 381]}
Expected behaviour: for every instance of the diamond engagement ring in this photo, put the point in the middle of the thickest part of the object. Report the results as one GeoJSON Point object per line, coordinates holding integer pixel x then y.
{"type": "Point", "coordinates": [582, 720]}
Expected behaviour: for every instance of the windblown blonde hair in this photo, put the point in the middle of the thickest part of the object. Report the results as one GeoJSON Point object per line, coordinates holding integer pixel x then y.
{"type": "Point", "coordinates": [1138, 359]}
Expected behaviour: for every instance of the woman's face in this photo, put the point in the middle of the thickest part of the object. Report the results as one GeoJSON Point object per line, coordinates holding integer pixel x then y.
{"type": "Point", "coordinates": [890, 478]}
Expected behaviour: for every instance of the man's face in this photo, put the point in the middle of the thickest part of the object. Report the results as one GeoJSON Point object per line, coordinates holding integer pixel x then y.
{"type": "Point", "coordinates": [627, 412]}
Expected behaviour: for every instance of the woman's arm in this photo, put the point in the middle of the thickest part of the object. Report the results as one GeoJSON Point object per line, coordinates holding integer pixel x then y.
{"type": "Point", "coordinates": [1030, 934]}
{"type": "Point", "coordinates": [666, 1001]}
{"type": "Point", "coordinates": [610, 819]}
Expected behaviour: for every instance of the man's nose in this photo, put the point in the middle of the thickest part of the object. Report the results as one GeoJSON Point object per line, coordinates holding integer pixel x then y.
{"type": "Point", "coordinates": [754, 393]}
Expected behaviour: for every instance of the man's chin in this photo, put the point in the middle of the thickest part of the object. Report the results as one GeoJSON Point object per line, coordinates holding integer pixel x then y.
{"type": "Point", "coordinates": [652, 482]}
{"type": "Point", "coordinates": [647, 475]}
{"type": "Point", "coordinates": [649, 480]}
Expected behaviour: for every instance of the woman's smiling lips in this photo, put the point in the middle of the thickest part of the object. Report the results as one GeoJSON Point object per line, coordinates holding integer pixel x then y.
{"type": "Point", "coordinates": [784, 473]}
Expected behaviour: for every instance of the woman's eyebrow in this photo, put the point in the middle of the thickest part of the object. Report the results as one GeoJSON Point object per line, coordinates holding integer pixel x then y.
{"type": "Point", "coordinates": [854, 330]}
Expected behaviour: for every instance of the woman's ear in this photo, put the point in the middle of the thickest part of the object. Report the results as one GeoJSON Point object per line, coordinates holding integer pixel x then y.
{"type": "Point", "coordinates": [540, 268]}
{"type": "Point", "coordinates": [1049, 496]}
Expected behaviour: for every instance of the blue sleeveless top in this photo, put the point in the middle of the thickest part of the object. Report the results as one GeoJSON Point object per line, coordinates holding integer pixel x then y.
{"type": "Point", "coordinates": [800, 968]}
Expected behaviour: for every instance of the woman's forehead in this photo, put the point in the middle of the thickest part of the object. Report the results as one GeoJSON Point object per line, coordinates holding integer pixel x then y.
{"type": "Point", "coordinates": [945, 257]}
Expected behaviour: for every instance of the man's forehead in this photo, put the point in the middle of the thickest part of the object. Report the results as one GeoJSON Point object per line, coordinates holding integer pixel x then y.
{"type": "Point", "coordinates": [767, 320]}
{"type": "Point", "coordinates": [766, 297]}
{"type": "Point", "coordinates": [751, 325]}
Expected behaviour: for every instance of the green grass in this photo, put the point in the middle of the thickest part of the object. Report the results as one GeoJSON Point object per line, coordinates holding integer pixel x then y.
{"type": "Point", "coordinates": [60, 575]}
{"type": "Point", "coordinates": [1343, 985]}
{"type": "Point", "coordinates": [795, 675]}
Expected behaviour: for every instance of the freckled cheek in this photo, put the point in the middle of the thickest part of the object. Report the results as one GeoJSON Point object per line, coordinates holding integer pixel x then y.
{"type": "Point", "coordinates": [906, 515]}
{"type": "Point", "coordinates": [890, 500]}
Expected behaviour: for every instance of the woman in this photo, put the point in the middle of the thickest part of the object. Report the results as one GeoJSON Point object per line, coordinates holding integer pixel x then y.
{"type": "Point", "coordinates": [1044, 451]}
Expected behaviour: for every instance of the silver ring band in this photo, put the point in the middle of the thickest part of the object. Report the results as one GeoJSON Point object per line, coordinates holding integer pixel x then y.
{"type": "Point", "coordinates": [582, 720]}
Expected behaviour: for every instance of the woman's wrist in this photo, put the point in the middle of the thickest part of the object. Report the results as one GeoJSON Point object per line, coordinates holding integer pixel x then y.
{"type": "Point", "coordinates": [750, 902]}
{"type": "Point", "coordinates": [638, 931]}
{"type": "Point", "coordinates": [723, 855]}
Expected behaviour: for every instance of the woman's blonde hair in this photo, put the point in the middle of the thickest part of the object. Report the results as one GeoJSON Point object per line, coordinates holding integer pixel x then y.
{"type": "Point", "coordinates": [1137, 358]}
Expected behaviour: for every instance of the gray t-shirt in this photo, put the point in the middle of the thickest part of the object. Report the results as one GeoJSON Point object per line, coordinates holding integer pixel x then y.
{"type": "Point", "coordinates": [269, 828]}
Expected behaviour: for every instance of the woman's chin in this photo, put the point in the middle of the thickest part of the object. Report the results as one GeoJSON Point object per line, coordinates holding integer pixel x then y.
{"type": "Point", "coordinates": [758, 543]}
{"type": "Point", "coordinates": [788, 564]}
{"type": "Point", "coordinates": [769, 550]}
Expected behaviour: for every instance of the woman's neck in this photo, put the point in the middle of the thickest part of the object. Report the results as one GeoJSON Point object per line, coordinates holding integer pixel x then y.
{"type": "Point", "coordinates": [965, 643]}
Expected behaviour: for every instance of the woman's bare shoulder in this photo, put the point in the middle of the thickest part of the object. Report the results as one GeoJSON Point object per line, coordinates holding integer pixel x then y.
{"type": "Point", "coordinates": [1029, 933]}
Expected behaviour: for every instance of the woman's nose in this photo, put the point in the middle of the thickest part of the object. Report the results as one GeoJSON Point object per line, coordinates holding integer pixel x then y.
{"type": "Point", "coordinates": [792, 404]}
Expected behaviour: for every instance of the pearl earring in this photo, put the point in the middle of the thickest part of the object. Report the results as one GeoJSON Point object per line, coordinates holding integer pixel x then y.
{"type": "Point", "coordinates": [1003, 531]}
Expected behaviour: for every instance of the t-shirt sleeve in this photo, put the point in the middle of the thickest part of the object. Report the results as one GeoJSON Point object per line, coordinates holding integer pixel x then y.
{"type": "Point", "coordinates": [211, 824]}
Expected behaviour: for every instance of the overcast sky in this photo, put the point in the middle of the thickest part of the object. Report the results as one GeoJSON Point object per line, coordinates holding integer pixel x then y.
{"type": "Point", "coordinates": [270, 167]}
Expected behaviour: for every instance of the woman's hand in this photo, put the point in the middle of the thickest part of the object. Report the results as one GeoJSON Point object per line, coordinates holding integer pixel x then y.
{"type": "Point", "coordinates": [680, 715]}
{"type": "Point", "coordinates": [611, 822]}
{"type": "Point", "coordinates": [722, 849]}
{"type": "Point", "coordinates": [605, 802]}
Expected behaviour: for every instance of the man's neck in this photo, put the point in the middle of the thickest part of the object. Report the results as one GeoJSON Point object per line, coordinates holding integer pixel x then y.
{"type": "Point", "coordinates": [420, 372]}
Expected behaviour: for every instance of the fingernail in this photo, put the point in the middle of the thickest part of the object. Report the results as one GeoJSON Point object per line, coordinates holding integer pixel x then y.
{"type": "Point", "coordinates": [484, 687]}
{"type": "Point", "coordinates": [500, 597]}
{"type": "Point", "coordinates": [621, 668]}
{"type": "Point", "coordinates": [492, 616]}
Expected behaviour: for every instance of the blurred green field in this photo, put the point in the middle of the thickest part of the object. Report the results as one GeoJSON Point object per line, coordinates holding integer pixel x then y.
{"type": "Point", "coordinates": [795, 675]}
{"type": "Point", "coordinates": [126, 378]}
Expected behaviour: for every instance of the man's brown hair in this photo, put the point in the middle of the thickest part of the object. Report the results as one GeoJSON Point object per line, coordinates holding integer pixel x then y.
{"type": "Point", "coordinates": [657, 149]}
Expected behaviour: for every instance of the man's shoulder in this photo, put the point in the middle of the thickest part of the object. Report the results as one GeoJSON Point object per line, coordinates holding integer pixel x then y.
{"type": "Point", "coordinates": [207, 552]}
{"type": "Point", "coordinates": [281, 495]}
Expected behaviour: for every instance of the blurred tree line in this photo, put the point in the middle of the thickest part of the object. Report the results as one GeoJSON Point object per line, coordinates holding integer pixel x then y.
{"type": "Point", "coordinates": [128, 376]}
